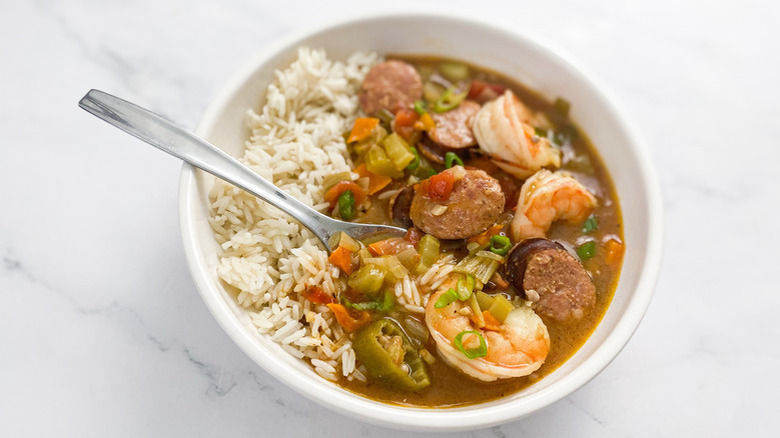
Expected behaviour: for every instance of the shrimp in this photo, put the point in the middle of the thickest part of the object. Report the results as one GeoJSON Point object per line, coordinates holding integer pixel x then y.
{"type": "Point", "coordinates": [503, 133]}
{"type": "Point", "coordinates": [517, 348]}
{"type": "Point", "coordinates": [547, 197]}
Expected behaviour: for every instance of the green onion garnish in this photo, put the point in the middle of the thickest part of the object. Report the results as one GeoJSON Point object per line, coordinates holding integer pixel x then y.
{"type": "Point", "coordinates": [470, 353]}
{"type": "Point", "coordinates": [446, 299]}
{"type": "Point", "coordinates": [416, 162]}
{"type": "Point", "coordinates": [449, 100]}
{"type": "Point", "coordinates": [587, 250]}
{"type": "Point", "coordinates": [419, 107]}
{"type": "Point", "coordinates": [590, 224]}
{"type": "Point", "coordinates": [466, 289]}
{"type": "Point", "coordinates": [540, 132]}
{"type": "Point", "coordinates": [450, 158]}
{"type": "Point", "coordinates": [500, 244]}
{"type": "Point", "coordinates": [347, 205]}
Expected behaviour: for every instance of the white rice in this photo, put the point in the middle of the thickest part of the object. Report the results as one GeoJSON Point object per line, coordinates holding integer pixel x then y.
{"type": "Point", "coordinates": [295, 142]}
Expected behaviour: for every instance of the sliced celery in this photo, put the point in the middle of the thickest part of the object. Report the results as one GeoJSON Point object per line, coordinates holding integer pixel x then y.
{"type": "Point", "coordinates": [377, 162]}
{"type": "Point", "coordinates": [500, 308]}
{"type": "Point", "coordinates": [398, 151]}
{"type": "Point", "coordinates": [429, 250]}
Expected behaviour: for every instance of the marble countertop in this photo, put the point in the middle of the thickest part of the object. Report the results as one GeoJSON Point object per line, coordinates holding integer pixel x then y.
{"type": "Point", "coordinates": [102, 332]}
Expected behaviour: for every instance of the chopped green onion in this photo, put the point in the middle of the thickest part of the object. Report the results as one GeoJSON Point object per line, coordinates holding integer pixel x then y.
{"type": "Point", "coordinates": [450, 158]}
{"type": "Point", "coordinates": [587, 250]}
{"type": "Point", "coordinates": [347, 205]}
{"type": "Point", "coordinates": [449, 100]}
{"type": "Point", "coordinates": [466, 289]}
{"type": "Point", "coordinates": [470, 353]}
{"type": "Point", "coordinates": [561, 106]}
{"type": "Point", "coordinates": [590, 224]}
{"type": "Point", "coordinates": [500, 244]}
{"type": "Point", "coordinates": [540, 132]}
{"type": "Point", "coordinates": [419, 107]}
{"type": "Point", "coordinates": [416, 162]}
{"type": "Point", "coordinates": [446, 299]}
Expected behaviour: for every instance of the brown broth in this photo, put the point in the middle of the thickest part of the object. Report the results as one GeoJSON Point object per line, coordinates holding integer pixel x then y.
{"type": "Point", "coordinates": [449, 387]}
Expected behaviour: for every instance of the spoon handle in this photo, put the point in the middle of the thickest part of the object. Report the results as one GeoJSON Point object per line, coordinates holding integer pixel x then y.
{"type": "Point", "coordinates": [179, 142]}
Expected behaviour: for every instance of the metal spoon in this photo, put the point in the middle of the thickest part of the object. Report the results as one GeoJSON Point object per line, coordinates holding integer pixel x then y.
{"type": "Point", "coordinates": [180, 143]}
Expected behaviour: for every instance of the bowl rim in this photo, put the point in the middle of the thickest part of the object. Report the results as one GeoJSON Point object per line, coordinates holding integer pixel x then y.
{"type": "Point", "coordinates": [356, 406]}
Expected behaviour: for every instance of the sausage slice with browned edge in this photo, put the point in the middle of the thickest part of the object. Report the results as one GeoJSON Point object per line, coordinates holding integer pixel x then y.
{"type": "Point", "coordinates": [475, 203]}
{"type": "Point", "coordinates": [453, 128]}
{"type": "Point", "coordinates": [550, 277]}
{"type": "Point", "coordinates": [390, 85]}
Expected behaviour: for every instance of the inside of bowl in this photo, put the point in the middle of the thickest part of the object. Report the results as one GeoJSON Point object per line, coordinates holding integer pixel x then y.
{"type": "Point", "coordinates": [495, 49]}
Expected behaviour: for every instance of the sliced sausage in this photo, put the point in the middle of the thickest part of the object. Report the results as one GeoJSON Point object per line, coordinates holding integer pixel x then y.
{"type": "Point", "coordinates": [553, 279]}
{"type": "Point", "coordinates": [453, 128]}
{"type": "Point", "coordinates": [390, 85]}
{"type": "Point", "coordinates": [400, 206]}
{"type": "Point", "coordinates": [431, 151]}
{"type": "Point", "coordinates": [475, 203]}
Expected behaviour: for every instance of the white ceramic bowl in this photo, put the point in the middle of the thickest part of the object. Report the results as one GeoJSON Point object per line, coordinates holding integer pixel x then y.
{"type": "Point", "coordinates": [515, 55]}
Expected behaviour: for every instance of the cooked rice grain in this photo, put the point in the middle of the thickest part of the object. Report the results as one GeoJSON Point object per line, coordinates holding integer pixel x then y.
{"type": "Point", "coordinates": [295, 141]}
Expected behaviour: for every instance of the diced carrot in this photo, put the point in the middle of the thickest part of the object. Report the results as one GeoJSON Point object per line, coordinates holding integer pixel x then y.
{"type": "Point", "coordinates": [362, 128]}
{"type": "Point", "coordinates": [332, 195]}
{"type": "Point", "coordinates": [403, 124]}
{"type": "Point", "coordinates": [390, 246]}
{"type": "Point", "coordinates": [491, 323]}
{"type": "Point", "coordinates": [342, 258]}
{"type": "Point", "coordinates": [375, 182]}
{"type": "Point", "coordinates": [316, 295]}
{"type": "Point", "coordinates": [351, 321]}
{"type": "Point", "coordinates": [614, 251]}
{"type": "Point", "coordinates": [427, 122]}
{"type": "Point", "coordinates": [484, 237]}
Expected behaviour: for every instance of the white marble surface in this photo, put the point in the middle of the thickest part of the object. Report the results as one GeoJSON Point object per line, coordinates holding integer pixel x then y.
{"type": "Point", "coordinates": [103, 334]}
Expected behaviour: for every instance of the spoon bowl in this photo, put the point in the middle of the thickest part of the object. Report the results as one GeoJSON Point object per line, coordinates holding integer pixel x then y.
{"type": "Point", "coordinates": [177, 141]}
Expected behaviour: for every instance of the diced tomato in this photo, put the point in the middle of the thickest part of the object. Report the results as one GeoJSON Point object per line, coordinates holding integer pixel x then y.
{"type": "Point", "coordinates": [342, 258]}
{"type": "Point", "coordinates": [332, 195]}
{"type": "Point", "coordinates": [404, 121]}
{"type": "Point", "coordinates": [316, 295]}
{"type": "Point", "coordinates": [439, 187]}
{"type": "Point", "coordinates": [375, 182]}
{"type": "Point", "coordinates": [482, 91]}
{"type": "Point", "coordinates": [350, 319]}
{"type": "Point", "coordinates": [413, 236]}
{"type": "Point", "coordinates": [362, 128]}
